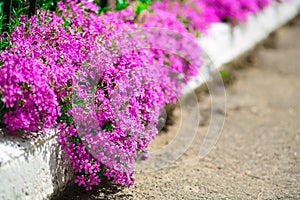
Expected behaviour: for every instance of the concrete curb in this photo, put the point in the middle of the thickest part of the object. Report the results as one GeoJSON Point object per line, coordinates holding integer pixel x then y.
{"type": "Point", "coordinates": [34, 168]}
{"type": "Point", "coordinates": [224, 43]}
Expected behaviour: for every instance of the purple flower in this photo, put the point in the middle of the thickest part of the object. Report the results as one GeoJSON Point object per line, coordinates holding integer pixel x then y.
{"type": "Point", "coordinates": [114, 72]}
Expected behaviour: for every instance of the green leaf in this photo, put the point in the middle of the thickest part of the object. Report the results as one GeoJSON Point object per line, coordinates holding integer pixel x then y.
{"type": "Point", "coordinates": [224, 74]}
{"type": "Point", "coordinates": [121, 4]}
{"type": "Point", "coordinates": [1, 8]}
{"type": "Point", "coordinates": [108, 126]}
{"type": "Point", "coordinates": [140, 7]}
{"type": "Point", "coordinates": [146, 1]}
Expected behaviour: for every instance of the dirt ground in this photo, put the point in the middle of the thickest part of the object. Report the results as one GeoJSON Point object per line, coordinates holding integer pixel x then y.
{"type": "Point", "coordinates": [258, 153]}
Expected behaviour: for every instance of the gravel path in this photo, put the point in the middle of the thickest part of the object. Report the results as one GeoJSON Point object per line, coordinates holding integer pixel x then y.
{"type": "Point", "coordinates": [258, 153]}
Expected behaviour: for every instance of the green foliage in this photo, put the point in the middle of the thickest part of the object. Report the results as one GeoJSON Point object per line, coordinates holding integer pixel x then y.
{"type": "Point", "coordinates": [65, 107]}
{"type": "Point", "coordinates": [47, 5]}
{"type": "Point", "coordinates": [140, 7]}
{"type": "Point", "coordinates": [3, 111]}
{"type": "Point", "coordinates": [1, 8]}
{"type": "Point", "coordinates": [17, 13]}
{"type": "Point", "coordinates": [75, 140]}
{"type": "Point", "coordinates": [4, 42]}
{"type": "Point", "coordinates": [18, 9]}
{"type": "Point", "coordinates": [121, 4]}
{"type": "Point", "coordinates": [224, 74]}
{"type": "Point", "coordinates": [108, 126]}
{"type": "Point", "coordinates": [146, 1]}
{"type": "Point", "coordinates": [226, 20]}
{"type": "Point", "coordinates": [102, 8]}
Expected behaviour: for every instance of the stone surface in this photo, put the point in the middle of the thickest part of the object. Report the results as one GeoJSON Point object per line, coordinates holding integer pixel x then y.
{"type": "Point", "coordinates": [32, 168]}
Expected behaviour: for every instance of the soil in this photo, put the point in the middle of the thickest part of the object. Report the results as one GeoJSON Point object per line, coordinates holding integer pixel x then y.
{"type": "Point", "coordinates": [257, 155]}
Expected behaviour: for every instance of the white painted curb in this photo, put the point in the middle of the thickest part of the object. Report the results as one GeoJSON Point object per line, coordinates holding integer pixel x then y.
{"type": "Point", "coordinates": [224, 43]}
{"type": "Point", "coordinates": [34, 168]}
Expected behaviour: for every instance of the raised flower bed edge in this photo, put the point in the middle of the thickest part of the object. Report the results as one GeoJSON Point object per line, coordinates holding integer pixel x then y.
{"type": "Point", "coordinates": [34, 168]}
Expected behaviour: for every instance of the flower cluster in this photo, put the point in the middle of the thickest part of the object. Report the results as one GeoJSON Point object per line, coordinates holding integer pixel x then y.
{"type": "Point", "coordinates": [235, 11]}
{"type": "Point", "coordinates": [102, 80]}
{"type": "Point", "coordinates": [193, 15]}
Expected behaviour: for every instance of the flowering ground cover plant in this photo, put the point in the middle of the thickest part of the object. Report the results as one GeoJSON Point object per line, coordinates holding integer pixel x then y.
{"type": "Point", "coordinates": [102, 79]}
{"type": "Point", "coordinates": [236, 11]}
